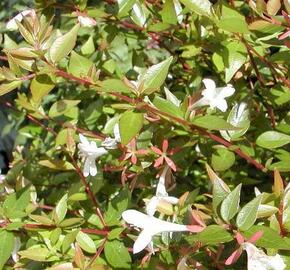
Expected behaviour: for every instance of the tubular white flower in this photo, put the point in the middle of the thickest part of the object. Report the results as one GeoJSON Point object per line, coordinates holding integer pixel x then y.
{"type": "Point", "coordinates": [91, 152]}
{"type": "Point", "coordinates": [111, 143]}
{"type": "Point", "coordinates": [213, 96]}
{"type": "Point", "coordinates": [12, 25]}
{"type": "Point", "coordinates": [258, 260]}
{"type": "Point", "coordinates": [161, 194]}
{"type": "Point", "coordinates": [86, 21]}
{"type": "Point", "coordinates": [150, 226]}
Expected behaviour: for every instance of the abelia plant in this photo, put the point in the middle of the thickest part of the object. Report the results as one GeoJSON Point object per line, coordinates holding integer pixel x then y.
{"type": "Point", "coordinates": [144, 134]}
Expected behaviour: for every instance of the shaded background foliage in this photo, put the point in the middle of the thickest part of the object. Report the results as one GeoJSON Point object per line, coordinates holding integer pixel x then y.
{"type": "Point", "coordinates": [242, 44]}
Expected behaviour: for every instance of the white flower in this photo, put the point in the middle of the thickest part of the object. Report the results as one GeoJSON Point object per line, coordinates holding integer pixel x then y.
{"type": "Point", "coordinates": [161, 195]}
{"type": "Point", "coordinates": [170, 97]}
{"type": "Point", "coordinates": [12, 25]}
{"type": "Point", "coordinates": [258, 260]}
{"type": "Point", "coordinates": [151, 226]}
{"type": "Point", "coordinates": [111, 143]}
{"type": "Point", "coordinates": [213, 96]}
{"type": "Point", "coordinates": [86, 21]}
{"type": "Point", "coordinates": [91, 152]}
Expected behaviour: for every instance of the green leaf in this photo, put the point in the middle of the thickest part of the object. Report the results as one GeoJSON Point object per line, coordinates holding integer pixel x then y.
{"type": "Point", "coordinates": [167, 106]}
{"type": "Point", "coordinates": [232, 21]}
{"type": "Point", "coordinates": [272, 139]}
{"type": "Point", "coordinates": [61, 209]}
{"type": "Point", "coordinates": [155, 76]}
{"type": "Point", "coordinates": [68, 240]}
{"type": "Point", "coordinates": [15, 203]}
{"type": "Point", "coordinates": [234, 56]}
{"type": "Point", "coordinates": [125, 6]}
{"type": "Point", "coordinates": [117, 255]}
{"type": "Point", "coordinates": [168, 12]}
{"type": "Point", "coordinates": [213, 234]}
{"type": "Point", "coordinates": [230, 205]}
{"type": "Point", "coordinates": [220, 188]}
{"type": "Point", "coordinates": [40, 86]}
{"type": "Point", "coordinates": [41, 219]}
{"type": "Point", "coordinates": [63, 45]}
{"type": "Point", "coordinates": [119, 204]}
{"type": "Point", "coordinates": [212, 122]}
{"type": "Point", "coordinates": [79, 66]}
{"type": "Point", "coordinates": [139, 13]}
{"type": "Point", "coordinates": [130, 124]}
{"type": "Point", "coordinates": [248, 215]}
{"type": "Point", "coordinates": [6, 246]}
{"type": "Point", "coordinates": [35, 253]}
{"type": "Point", "coordinates": [114, 85]}
{"type": "Point", "coordinates": [8, 87]}
{"type": "Point", "coordinates": [273, 6]}
{"type": "Point", "coordinates": [61, 107]}
{"type": "Point", "coordinates": [115, 233]}
{"type": "Point", "coordinates": [55, 164]}
{"type": "Point", "coordinates": [238, 117]}
{"type": "Point", "coordinates": [201, 7]}
{"type": "Point", "coordinates": [85, 242]}
{"type": "Point", "coordinates": [222, 159]}
{"type": "Point", "coordinates": [270, 238]}
{"type": "Point", "coordinates": [88, 47]}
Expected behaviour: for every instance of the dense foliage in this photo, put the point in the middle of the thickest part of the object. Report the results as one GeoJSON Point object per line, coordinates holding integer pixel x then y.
{"type": "Point", "coordinates": [178, 109]}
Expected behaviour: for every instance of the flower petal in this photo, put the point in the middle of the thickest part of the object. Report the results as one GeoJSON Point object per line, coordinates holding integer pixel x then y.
{"type": "Point", "coordinates": [151, 206]}
{"type": "Point", "coordinates": [234, 257]}
{"type": "Point", "coordinates": [226, 91]}
{"type": "Point", "coordinates": [222, 105]}
{"type": "Point", "coordinates": [171, 199]}
{"type": "Point", "coordinates": [93, 168]}
{"type": "Point", "coordinates": [156, 150]}
{"type": "Point", "coordinates": [83, 139]}
{"type": "Point", "coordinates": [158, 161]}
{"type": "Point", "coordinates": [87, 167]}
{"type": "Point", "coordinates": [170, 163]}
{"type": "Point", "coordinates": [136, 218]}
{"type": "Point", "coordinates": [142, 241]}
{"type": "Point", "coordinates": [209, 84]}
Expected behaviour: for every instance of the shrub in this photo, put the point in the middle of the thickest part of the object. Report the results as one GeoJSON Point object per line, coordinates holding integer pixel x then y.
{"type": "Point", "coordinates": [168, 116]}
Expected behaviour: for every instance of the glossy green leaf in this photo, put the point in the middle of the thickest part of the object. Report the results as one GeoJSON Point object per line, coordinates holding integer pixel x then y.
{"type": "Point", "coordinates": [15, 203]}
{"type": "Point", "coordinates": [230, 205]}
{"type": "Point", "coordinates": [117, 255]}
{"type": "Point", "coordinates": [213, 235]}
{"type": "Point", "coordinates": [212, 122]}
{"type": "Point", "coordinates": [201, 7]}
{"type": "Point", "coordinates": [231, 20]}
{"type": "Point", "coordinates": [86, 242]}
{"type": "Point", "coordinates": [8, 87]}
{"type": "Point", "coordinates": [272, 139]}
{"type": "Point", "coordinates": [88, 47]}
{"type": "Point", "coordinates": [40, 86]}
{"type": "Point", "coordinates": [248, 214]}
{"type": "Point", "coordinates": [234, 56]}
{"type": "Point", "coordinates": [6, 246]}
{"type": "Point", "coordinates": [222, 159]}
{"type": "Point", "coordinates": [238, 117]}
{"type": "Point", "coordinates": [61, 209]}
{"type": "Point", "coordinates": [269, 239]}
{"type": "Point", "coordinates": [155, 76]}
{"type": "Point", "coordinates": [61, 107]}
{"type": "Point", "coordinates": [125, 6]}
{"type": "Point", "coordinates": [79, 66]}
{"type": "Point", "coordinates": [130, 124]}
{"type": "Point", "coordinates": [167, 107]}
{"type": "Point", "coordinates": [114, 85]}
{"type": "Point", "coordinates": [64, 44]}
